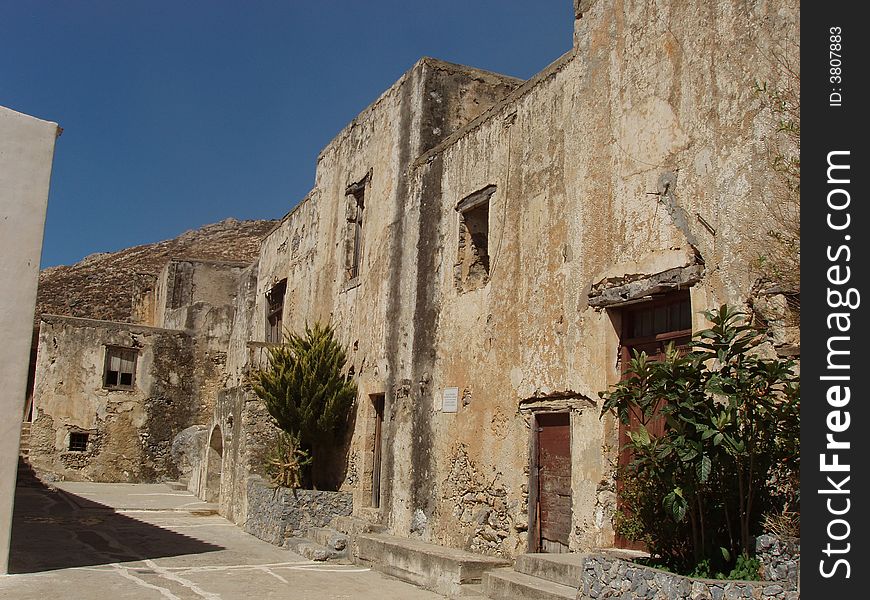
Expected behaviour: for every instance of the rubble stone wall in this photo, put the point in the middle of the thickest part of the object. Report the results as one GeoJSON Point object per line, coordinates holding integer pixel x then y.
{"type": "Point", "coordinates": [130, 431]}
{"type": "Point", "coordinates": [275, 514]}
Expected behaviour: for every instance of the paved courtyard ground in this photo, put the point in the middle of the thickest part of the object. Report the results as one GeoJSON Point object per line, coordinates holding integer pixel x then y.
{"type": "Point", "coordinates": [126, 541]}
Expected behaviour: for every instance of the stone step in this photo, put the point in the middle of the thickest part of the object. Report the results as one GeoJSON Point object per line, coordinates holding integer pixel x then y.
{"type": "Point", "coordinates": [354, 525]}
{"type": "Point", "coordinates": [326, 536]}
{"type": "Point", "coordinates": [312, 550]}
{"type": "Point", "coordinates": [507, 583]}
{"type": "Point", "coordinates": [473, 591]}
{"type": "Point", "coordinates": [175, 485]}
{"type": "Point", "coordinates": [566, 569]}
{"type": "Point", "coordinates": [436, 568]}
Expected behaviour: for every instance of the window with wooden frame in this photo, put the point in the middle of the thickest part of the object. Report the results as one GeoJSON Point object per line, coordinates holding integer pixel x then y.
{"type": "Point", "coordinates": [275, 312]}
{"type": "Point", "coordinates": [650, 326]}
{"type": "Point", "coordinates": [120, 368]}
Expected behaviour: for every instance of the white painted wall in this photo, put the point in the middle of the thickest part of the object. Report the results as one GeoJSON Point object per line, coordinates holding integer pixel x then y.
{"type": "Point", "coordinates": [26, 153]}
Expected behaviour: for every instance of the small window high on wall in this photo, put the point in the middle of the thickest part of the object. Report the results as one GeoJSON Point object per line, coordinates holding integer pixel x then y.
{"type": "Point", "coordinates": [355, 196]}
{"type": "Point", "coordinates": [472, 266]}
{"type": "Point", "coordinates": [275, 312]}
{"type": "Point", "coordinates": [120, 368]}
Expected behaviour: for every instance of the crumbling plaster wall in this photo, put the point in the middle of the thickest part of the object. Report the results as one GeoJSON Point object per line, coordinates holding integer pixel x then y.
{"type": "Point", "coordinates": [131, 431]}
{"type": "Point", "coordinates": [428, 103]}
{"type": "Point", "coordinates": [200, 297]}
{"type": "Point", "coordinates": [602, 164]}
{"type": "Point", "coordinates": [640, 151]}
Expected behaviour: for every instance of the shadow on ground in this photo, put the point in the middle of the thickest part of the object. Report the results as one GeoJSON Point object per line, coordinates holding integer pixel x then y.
{"type": "Point", "coordinates": [53, 529]}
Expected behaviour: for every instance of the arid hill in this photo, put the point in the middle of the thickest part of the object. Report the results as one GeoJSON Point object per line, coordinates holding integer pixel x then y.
{"type": "Point", "coordinates": [100, 286]}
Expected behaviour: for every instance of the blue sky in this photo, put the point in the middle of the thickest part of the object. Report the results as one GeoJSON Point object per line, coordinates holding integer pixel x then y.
{"type": "Point", "coordinates": [177, 114]}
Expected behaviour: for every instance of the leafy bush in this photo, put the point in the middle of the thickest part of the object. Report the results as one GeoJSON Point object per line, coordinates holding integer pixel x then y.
{"type": "Point", "coordinates": [733, 421]}
{"type": "Point", "coordinates": [306, 393]}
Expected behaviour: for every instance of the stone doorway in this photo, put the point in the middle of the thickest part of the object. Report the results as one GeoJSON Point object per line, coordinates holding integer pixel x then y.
{"type": "Point", "coordinates": [214, 465]}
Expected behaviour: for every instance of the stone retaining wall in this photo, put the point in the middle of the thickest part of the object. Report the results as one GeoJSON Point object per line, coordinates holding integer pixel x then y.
{"type": "Point", "coordinates": [275, 514]}
{"type": "Point", "coordinates": [780, 559]}
{"type": "Point", "coordinates": [607, 576]}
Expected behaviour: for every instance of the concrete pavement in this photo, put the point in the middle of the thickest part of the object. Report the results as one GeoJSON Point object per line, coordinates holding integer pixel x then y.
{"type": "Point", "coordinates": [126, 541]}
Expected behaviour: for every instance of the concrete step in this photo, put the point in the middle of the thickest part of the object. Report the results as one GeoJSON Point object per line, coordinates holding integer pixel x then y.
{"type": "Point", "coordinates": [24, 443]}
{"type": "Point", "coordinates": [326, 536]}
{"type": "Point", "coordinates": [507, 583]}
{"type": "Point", "coordinates": [436, 568]}
{"type": "Point", "coordinates": [566, 569]}
{"type": "Point", "coordinates": [175, 485]}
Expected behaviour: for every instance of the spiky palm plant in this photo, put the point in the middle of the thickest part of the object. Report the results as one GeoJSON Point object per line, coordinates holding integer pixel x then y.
{"type": "Point", "coordinates": [306, 392]}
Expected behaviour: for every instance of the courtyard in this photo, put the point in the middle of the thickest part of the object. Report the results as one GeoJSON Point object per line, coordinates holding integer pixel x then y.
{"type": "Point", "coordinates": [141, 541]}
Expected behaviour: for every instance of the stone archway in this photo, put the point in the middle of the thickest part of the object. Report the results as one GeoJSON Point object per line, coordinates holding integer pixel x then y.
{"type": "Point", "coordinates": [214, 465]}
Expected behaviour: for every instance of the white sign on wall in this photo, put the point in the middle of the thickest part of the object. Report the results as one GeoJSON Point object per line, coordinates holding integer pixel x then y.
{"type": "Point", "coordinates": [450, 400]}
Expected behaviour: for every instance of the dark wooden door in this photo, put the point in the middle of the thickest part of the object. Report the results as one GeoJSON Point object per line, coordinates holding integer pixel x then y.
{"type": "Point", "coordinates": [378, 402]}
{"type": "Point", "coordinates": [554, 482]}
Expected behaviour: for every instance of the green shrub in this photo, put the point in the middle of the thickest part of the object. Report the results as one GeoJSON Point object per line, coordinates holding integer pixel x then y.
{"type": "Point", "coordinates": [733, 421]}
{"type": "Point", "coordinates": [306, 392]}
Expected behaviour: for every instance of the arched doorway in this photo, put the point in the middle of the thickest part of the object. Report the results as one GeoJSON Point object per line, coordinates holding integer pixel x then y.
{"type": "Point", "coordinates": [214, 465]}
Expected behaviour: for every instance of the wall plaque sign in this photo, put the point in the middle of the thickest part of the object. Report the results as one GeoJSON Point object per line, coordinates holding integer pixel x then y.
{"type": "Point", "coordinates": [450, 400]}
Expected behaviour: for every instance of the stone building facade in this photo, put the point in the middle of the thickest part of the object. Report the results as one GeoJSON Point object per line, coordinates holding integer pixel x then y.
{"type": "Point", "coordinates": [488, 248]}
{"type": "Point", "coordinates": [110, 397]}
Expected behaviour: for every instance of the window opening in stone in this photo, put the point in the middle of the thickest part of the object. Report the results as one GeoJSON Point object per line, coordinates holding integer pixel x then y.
{"type": "Point", "coordinates": [355, 210]}
{"type": "Point", "coordinates": [78, 442]}
{"type": "Point", "coordinates": [275, 311]}
{"type": "Point", "coordinates": [472, 266]}
{"type": "Point", "coordinates": [120, 371]}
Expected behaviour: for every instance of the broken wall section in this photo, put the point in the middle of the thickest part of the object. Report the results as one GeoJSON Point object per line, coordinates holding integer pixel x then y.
{"type": "Point", "coordinates": [308, 250]}
{"type": "Point", "coordinates": [93, 425]}
{"type": "Point", "coordinates": [625, 159]}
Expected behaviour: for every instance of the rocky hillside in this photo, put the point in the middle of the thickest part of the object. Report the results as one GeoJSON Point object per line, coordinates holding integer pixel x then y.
{"type": "Point", "coordinates": [101, 285]}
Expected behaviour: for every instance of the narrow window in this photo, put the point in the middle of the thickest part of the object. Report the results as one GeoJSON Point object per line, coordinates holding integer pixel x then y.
{"type": "Point", "coordinates": [120, 370]}
{"type": "Point", "coordinates": [275, 311]}
{"type": "Point", "coordinates": [472, 266]}
{"type": "Point", "coordinates": [78, 441]}
{"type": "Point", "coordinates": [355, 209]}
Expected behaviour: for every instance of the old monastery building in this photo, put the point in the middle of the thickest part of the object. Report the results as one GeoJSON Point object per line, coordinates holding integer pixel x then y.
{"type": "Point", "coordinates": [488, 250]}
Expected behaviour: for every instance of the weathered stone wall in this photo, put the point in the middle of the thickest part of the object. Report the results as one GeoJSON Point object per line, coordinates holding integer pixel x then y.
{"type": "Point", "coordinates": [610, 577]}
{"type": "Point", "coordinates": [428, 103]}
{"type": "Point", "coordinates": [780, 559]}
{"type": "Point", "coordinates": [189, 290]}
{"type": "Point", "coordinates": [602, 166]}
{"type": "Point", "coordinates": [275, 514]}
{"type": "Point", "coordinates": [130, 431]}
{"type": "Point", "coordinates": [635, 163]}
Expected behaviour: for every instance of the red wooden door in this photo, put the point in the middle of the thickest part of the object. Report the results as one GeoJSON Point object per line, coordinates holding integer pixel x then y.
{"type": "Point", "coordinates": [649, 328]}
{"type": "Point", "coordinates": [554, 481]}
